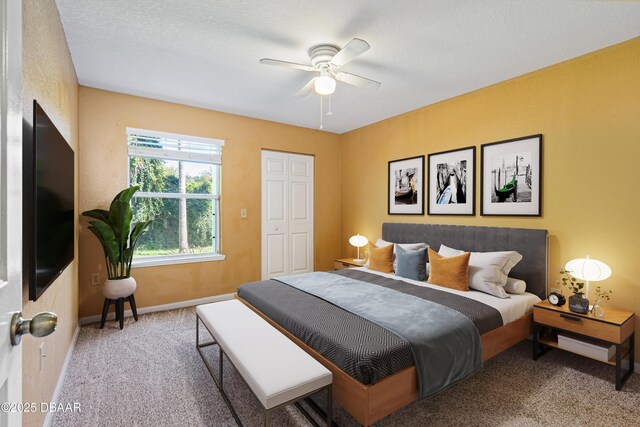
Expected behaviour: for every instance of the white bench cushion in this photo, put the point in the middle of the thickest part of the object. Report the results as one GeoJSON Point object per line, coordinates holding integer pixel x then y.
{"type": "Point", "coordinates": [276, 369]}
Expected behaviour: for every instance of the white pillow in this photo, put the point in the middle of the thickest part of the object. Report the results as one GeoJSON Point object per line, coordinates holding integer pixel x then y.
{"type": "Point", "coordinates": [488, 271]}
{"type": "Point", "coordinates": [515, 286]}
{"type": "Point", "coordinates": [410, 247]}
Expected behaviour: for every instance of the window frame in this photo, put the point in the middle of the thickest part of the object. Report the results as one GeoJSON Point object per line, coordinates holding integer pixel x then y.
{"type": "Point", "coordinates": [213, 159]}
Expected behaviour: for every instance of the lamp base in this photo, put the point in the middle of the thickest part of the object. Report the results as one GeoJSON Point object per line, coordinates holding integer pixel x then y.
{"type": "Point", "coordinates": [358, 260]}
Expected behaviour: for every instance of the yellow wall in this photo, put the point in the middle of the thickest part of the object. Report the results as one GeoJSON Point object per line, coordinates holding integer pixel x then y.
{"type": "Point", "coordinates": [103, 172]}
{"type": "Point", "coordinates": [49, 77]}
{"type": "Point", "coordinates": [588, 110]}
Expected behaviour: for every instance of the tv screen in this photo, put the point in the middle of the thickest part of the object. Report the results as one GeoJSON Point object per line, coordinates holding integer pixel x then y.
{"type": "Point", "coordinates": [49, 203]}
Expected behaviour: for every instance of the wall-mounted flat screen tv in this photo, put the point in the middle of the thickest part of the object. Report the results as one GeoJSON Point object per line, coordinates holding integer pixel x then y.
{"type": "Point", "coordinates": [49, 198]}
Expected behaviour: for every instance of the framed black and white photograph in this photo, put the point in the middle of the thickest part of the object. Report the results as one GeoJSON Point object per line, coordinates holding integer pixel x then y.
{"type": "Point", "coordinates": [511, 173]}
{"type": "Point", "coordinates": [406, 186]}
{"type": "Point", "coordinates": [451, 189]}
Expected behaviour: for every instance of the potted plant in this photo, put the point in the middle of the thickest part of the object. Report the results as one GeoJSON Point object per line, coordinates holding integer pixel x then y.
{"type": "Point", "coordinates": [113, 229]}
{"type": "Point", "coordinates": [577, 302]}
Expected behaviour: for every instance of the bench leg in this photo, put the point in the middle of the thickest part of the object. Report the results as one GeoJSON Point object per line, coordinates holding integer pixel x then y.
{"type": "Point", "coordinates": [218, 382]}
{"type": "Point", "coordinates": [221, 360]}
{"type": "Point", "coordinates": [329, 405]}
{"type": "Point", "coordinates": [267, 418]}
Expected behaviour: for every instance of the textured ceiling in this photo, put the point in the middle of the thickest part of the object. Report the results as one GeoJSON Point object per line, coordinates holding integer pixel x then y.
{"type": "Point", "coordinates": [205, 52]}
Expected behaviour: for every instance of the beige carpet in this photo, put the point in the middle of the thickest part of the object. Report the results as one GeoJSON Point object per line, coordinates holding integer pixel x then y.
{"type": "Point", "coordinates": [151, 375]}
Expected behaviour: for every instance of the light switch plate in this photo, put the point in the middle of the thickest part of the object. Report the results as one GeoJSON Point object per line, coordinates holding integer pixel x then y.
{"type": "Point", "coordinates": [95, 279]}
{"type": "Point", "coordinates": [243, 213]}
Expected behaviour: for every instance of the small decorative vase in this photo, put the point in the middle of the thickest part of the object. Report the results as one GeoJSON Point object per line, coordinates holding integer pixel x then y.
{"type": "Point", "coordinates": [119, 288]}
{"type": "Point", "coordinates": [597, 309]}
{"type": "Point", "coordinates": [578, 303]}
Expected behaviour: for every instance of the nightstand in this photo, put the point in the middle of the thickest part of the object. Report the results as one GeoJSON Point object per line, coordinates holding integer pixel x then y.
{"type": "Point", "coordinates": [617, 327]}
{"type": "Point", "coordinates": [341, 264]}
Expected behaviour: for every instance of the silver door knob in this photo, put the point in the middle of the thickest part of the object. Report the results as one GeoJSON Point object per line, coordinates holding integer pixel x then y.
{"type": "Point", "coordinates": [41, 325]}
{"type": "Point", "coordinates": [275, 228]}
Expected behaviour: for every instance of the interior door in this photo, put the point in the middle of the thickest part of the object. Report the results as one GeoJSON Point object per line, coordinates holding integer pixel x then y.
{"type": "Point", "coordinates": [10, 204]}
{"type": "Point", "coordinates": [287, 214]}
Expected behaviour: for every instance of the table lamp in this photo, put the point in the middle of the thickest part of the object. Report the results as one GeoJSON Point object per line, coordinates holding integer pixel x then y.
{"type": "Point", "coordinates": [589, 270]}
{"type": "Point", "coordinates": [358, 241]}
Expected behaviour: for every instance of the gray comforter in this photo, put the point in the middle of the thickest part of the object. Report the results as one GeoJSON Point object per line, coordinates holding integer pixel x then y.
{"type": "Point", "coordinates": [445, 343]}
{"type": "Point", "coordinates": [371, 326]}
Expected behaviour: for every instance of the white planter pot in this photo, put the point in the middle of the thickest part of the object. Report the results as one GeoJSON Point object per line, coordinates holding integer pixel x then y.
{"type": "Point", "coordinates": [119, 288]}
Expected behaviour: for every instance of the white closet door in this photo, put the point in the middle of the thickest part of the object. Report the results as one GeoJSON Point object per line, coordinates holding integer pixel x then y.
{"type": "Point", "coordinates": [287, 214]}
{"type": "Point", "coordinates": [275, 223]}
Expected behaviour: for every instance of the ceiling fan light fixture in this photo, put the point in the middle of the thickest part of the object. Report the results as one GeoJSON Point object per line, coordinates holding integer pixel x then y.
{"type": "Point", "coordinates": [324, 85]}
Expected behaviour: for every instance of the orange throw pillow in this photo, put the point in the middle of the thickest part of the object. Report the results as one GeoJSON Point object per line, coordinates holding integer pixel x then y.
{"type": "Point", "coordinates": [451, 272]}
{"type": "Point", "coordinates": [381, 259]}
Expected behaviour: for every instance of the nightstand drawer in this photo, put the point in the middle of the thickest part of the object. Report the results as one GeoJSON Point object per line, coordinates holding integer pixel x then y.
{"type": "Point", "coordinates": [337, 265]}
{"type": "Point", "coordinates": [579, 324]}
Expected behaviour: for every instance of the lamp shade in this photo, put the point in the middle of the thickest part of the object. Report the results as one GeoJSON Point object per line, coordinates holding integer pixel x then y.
{"type": "Point", "coordinates": [588, 269]}
{"type": "Point", "coordinates": [358, 241]}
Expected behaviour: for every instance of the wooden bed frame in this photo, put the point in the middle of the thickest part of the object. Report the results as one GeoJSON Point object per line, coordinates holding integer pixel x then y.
{"type": "Point", "coordinates": [370, 403]}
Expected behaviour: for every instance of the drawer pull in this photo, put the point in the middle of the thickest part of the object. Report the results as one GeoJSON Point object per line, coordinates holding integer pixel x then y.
{"type": "Point", "coordinates": [570, 317]}
{"type": "Point", "coordinates": [345, 265]}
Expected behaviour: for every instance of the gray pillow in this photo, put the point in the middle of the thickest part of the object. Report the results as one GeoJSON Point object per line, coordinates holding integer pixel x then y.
{"type": "Point", "coordinates": [412, 264]}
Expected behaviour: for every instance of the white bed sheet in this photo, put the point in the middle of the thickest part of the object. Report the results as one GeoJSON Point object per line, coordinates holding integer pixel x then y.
{"type": "Point", "coordinates": [510, 309]}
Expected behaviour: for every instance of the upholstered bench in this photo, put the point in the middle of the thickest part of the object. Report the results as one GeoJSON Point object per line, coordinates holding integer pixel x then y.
{"type": "Point", "coordinates": [276, 370]}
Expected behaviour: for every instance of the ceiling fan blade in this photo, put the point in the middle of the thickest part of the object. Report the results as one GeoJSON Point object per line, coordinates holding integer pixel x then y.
{"type": "Point", "coordinates": [268, 61]}
{"type": "Point", "coordinates": [356, 81]}
{"type": "Point", "coordinates": [354, 48]}
{"type": "Point", "coordinates": [306, 89]}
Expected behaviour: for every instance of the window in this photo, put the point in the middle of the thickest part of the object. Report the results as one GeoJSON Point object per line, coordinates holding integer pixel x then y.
{"type": "Point", "coordinates": [179, 179]}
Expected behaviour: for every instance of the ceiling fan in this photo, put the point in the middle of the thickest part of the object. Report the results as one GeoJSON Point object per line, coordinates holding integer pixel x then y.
{"type": "Point", "coordinates": [326, 60]}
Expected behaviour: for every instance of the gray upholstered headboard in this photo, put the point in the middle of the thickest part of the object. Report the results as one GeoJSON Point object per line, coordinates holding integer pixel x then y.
{"type": "Point", "coordinates": [531, 244]}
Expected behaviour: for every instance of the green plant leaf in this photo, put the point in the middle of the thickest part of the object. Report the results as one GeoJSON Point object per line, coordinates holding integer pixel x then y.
{"type": "Point", "coordinates": [137, 231]}
{"type": "Point", "coordinates": [127, 194]}
{"type": "Point", "coordinates": [99, 214]}
{"type": "Point", "coordinates": [105, 235]}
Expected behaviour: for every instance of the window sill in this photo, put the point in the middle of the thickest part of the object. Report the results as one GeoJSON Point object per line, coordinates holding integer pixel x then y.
{"type": "Point", "coordinates": [174, 259]}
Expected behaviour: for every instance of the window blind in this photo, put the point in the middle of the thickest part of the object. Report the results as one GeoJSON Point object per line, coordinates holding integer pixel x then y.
{"type": "Point", "coordinates": [154, 144]}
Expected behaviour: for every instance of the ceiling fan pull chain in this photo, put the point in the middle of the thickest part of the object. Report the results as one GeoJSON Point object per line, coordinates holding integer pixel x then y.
{"type": "Point", "coordinates": [321, 115]}
{"type": "Point", "coordinates": [329, 113]}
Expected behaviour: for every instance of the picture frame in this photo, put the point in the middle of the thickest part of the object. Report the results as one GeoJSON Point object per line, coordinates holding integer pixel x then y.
{"type": "Point", "coordinates": [451, 182]}
{"type": "Point", "coordinates": [511, 177]}
{"type": "Point", "coordinates": [406, 186]}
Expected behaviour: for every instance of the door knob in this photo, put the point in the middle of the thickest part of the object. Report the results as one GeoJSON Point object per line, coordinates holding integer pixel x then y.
{"type": "Point", "coordinates": [41, 325]}
{"type": "Point", "coordinates": [275, 228]}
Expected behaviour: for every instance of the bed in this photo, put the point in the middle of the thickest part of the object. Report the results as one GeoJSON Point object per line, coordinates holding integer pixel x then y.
{"type": "Point", "coordinates": [375, 369]}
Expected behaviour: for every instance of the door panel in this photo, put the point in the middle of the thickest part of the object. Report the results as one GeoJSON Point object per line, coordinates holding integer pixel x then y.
{"type": "Point", "coordinates": [299, 201]}
{"type": "Point", "coordinates": [276, 244]}
{"type": "Point", "coordinates": [299, 253]}
{"type": "Point", "coordinates": [275, 200]}
{"type": "Point", "coordinates": [287, 213]}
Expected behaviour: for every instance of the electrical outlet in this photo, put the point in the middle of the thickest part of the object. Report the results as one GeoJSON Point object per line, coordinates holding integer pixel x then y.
{"type": "Point", "coordinates": [43, 355]}
{"type": "Point", "coordinates": [243, 213]}
{"type": "Point", "coordinates": [95, 279]}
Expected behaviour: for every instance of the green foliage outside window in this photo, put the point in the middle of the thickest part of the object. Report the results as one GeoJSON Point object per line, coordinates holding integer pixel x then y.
{"type": "Point", "coordinates": [162, 238]}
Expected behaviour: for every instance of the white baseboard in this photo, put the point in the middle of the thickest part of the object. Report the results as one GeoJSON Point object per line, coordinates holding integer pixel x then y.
{"type": "Point", "coordinates": [163, 307]}
{"type": "Point", "coordinates": [63, 374]}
